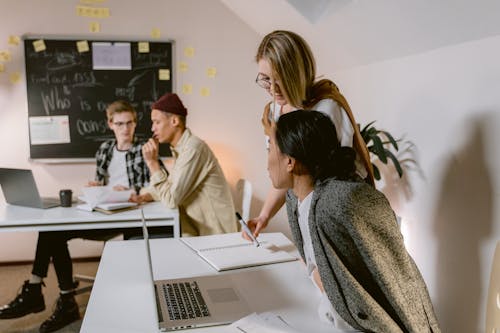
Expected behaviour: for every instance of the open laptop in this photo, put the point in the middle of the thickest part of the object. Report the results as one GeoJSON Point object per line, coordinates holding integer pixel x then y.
{"type": "Point", "coordinates": [194, 302]}
{"type": "Point", "coordinates": [19, 188]}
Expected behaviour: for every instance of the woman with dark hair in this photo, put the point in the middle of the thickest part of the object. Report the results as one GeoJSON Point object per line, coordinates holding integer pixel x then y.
{"type": "Point", "coordinates": [346, 232]}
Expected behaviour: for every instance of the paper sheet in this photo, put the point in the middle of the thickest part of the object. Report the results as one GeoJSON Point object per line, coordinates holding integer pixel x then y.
{"type": "Point", "coordinates": [266, 322]}
{"type": "Point", "coordinates": [95, 195]}
{"type": "Point", "coordinates": [49, 130]}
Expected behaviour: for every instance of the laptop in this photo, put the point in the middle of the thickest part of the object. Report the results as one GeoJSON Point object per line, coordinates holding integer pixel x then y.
{"type": "Point", "coordinates": [201, 301]}
{"type": "Point", "coordinates": [19, 188]}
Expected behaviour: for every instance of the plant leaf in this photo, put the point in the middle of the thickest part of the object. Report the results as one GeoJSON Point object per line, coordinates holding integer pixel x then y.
{"type": "Point", "coordinates": [378, 149]}
{"type": "Point", "coordinates": [376, 172]}
{"type": "Point", "coordinates": [391, 139]}
{"type": "Point", "coordinates": [395, 162]}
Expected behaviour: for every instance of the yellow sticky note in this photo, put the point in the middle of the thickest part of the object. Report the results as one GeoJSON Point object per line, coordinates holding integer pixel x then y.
{"type": "Point", "coordinates": [5, 56]}
{"type": "Point", "coordinates": [2, 68]}
{"type": "Point", "coordinates": [155, 33]}
{"type": "Point", "coordinates": [94, 27]}
{"type": "Point", "coordinates": [39, 45]}
{"type": "Point", "coordinates": [103, 13]}
{"type": "Point", "coordinates": [211, 72]}
{"type": "Point", "coordinates": [82, 46]}
{"type": "Point", "coordinates": [205, 91]}
{"type": "Point", "coordinates": [15, 77]}
{"type": "Point", "coordinates": [189, 52]}
{"type": "Point", "coordinates": [183, 67]}
{"type": "Point", "coordinates": [187, 89]}
{"type": "Point", "coordinates": [14, 40]}
{"type": "Point", "coordinates": [92, 1]}
{"type": "Point", "coordinates": [143, 47]}
{"type": "Point", "coordinates": [164, 74]}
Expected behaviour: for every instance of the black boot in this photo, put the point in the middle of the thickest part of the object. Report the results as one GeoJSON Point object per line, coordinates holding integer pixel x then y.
{"type": "Point", "coordinates": [30, 300]}
{"type": "Point", "coordinates": [65, 313]}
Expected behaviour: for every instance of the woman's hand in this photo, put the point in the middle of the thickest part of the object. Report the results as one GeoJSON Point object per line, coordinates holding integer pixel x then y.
{"type": "Point", "coordinates": [255, 225]}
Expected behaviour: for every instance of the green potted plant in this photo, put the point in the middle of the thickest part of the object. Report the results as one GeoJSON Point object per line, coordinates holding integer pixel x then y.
{"type": "Point", "coordinates": [385, 148]}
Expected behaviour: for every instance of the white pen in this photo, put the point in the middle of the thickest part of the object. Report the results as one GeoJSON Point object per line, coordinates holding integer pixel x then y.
{"type": "Point", "coordinates": [247, 229]}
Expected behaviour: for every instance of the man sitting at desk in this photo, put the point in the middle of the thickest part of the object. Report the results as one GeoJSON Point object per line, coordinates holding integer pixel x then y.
{"type": "Point", "coordinates": [119, 164]}
{"type": "Point", "coordinates": [196, 184]}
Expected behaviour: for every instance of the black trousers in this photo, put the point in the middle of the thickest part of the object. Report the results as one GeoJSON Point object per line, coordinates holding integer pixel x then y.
{"type": "Point", "coordinates": [53, 246]}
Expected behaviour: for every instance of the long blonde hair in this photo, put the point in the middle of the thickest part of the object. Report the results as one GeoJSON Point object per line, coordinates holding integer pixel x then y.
{"type": "Point", "coordinates": [292, 61]}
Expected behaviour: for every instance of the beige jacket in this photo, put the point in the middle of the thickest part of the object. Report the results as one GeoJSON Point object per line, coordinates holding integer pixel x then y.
{"type": "Point", "coordinates": [197, 186]}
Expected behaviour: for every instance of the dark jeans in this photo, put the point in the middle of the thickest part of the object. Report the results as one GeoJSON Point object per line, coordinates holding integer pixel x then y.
{"type": "Point", "coordinates": [53, 245]}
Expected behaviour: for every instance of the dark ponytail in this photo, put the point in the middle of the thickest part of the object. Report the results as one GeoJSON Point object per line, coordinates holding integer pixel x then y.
{"type": "Point", "coordinates": [310, 138]}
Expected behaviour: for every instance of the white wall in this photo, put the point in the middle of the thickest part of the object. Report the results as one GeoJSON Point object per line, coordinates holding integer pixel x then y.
{"type": "Point", "coordinates": [225, 119]}
{"type": "Point", "coordinates": [447, 102]}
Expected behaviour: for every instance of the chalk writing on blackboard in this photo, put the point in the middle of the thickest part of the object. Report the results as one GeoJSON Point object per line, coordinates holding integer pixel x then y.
{"type": "Point", "coordinates": [61, 81]}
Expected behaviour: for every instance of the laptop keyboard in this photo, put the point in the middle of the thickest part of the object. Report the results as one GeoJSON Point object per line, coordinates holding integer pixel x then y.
{"type": "Point", "coordinates": [184, 301]}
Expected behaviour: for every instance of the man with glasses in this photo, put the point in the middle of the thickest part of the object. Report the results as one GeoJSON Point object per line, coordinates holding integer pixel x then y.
{"type": "Point", "coordinates": [120, 164]}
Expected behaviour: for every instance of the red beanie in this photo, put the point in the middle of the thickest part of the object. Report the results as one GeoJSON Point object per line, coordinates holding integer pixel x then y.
{"type": "Point", "coordinates": [170, 103]}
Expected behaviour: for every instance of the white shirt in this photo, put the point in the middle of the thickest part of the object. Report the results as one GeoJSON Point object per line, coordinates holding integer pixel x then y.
{"type": "Point", "coordinates": [117, 169]}
{"type": "Point", "coordinates": [326, 311]}
{"type": "Point", "coordinates": [343, 127]}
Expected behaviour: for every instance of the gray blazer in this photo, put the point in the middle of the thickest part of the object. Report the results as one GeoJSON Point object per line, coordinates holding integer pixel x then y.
{"type": "Point", "coordinates": [369, 277]}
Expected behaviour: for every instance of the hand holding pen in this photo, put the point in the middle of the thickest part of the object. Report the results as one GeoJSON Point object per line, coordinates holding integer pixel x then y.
{"type": "Point", "coordinates": [247, 230]}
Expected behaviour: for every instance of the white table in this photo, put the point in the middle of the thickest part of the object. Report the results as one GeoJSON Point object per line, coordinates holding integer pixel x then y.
{"type": "Point", "coordinates": [18, 218]}
{"type": "Point", "coordinates": [122, 297]}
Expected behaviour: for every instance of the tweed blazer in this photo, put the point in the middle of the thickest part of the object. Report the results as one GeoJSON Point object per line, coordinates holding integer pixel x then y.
{"type": "Point", "coordinates": [369, 277]}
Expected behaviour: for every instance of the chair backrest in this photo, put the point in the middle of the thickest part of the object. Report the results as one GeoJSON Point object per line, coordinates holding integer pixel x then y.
{"type": "Point", "coordinates": [244, 198]}
{"type": "Point", "coordinates": [493, 302]}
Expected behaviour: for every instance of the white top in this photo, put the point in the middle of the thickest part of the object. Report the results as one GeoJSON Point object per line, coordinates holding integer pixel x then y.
{"type": "Point", "coordinates": [329, 107]}
{"type": "Point", "coordinates": [326, 311]}
{"type": "Point", "coordinates": [343, 127]}
{"type": "Point", "coordinates": [117, 169]}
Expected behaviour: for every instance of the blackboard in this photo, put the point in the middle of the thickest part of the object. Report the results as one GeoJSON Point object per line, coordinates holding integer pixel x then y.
{"type": "Point", "coordinates": [62, 81]}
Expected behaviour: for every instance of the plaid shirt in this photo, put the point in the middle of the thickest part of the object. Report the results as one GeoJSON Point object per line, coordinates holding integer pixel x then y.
{"type": "Point", "coordinates": [137, 170]}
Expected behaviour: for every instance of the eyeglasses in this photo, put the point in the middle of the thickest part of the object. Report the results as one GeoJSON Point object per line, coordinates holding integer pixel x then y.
{"type": "Point", "coordinates": [121, 124]}
{"type": "Point", "coordinates": [263, 81]}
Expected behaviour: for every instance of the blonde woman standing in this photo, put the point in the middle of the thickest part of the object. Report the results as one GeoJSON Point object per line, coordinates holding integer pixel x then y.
{"type": "Point", "coordinates": [287, 71]}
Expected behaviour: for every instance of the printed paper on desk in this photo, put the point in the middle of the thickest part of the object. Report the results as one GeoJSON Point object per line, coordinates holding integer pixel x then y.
{"type": "Point", "coordinates": [266, 322]}
{"type": "Point", "coordinates": [96, 195]}
{"type": "Point", "coordinates": [231, 251]}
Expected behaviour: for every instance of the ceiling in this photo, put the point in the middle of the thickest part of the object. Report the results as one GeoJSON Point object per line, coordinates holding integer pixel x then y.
{"type": "Point", "coordinates": [359, 32]}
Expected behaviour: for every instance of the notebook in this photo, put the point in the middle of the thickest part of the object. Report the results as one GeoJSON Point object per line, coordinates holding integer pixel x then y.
{"type": "Point", "coordinates": [19, 188]}
{"type": "Point", "coordinates": [231, 251]}
{"type": "Point", "coordinates": [195, 302]}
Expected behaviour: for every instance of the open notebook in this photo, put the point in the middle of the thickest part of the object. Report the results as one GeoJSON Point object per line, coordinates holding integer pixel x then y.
{"type": "Point", "coordinates": [231, 251]}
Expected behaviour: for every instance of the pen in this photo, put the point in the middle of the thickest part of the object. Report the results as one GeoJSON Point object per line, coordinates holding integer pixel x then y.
{"type": "Point", "coordinates": [247, 229]}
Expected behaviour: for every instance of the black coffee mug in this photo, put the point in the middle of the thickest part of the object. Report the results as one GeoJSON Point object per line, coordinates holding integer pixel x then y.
{"type": "Point", "coordinates": [65, 196]}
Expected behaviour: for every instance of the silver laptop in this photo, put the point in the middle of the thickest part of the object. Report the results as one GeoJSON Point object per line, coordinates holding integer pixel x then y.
{"type": "Point", "coordinates": [19, 188]}
{"type": "Point", "coordinates": [194, 302]}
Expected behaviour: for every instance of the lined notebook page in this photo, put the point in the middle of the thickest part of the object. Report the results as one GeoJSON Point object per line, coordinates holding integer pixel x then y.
{"type": "Point", "coordinates": [231, 251]}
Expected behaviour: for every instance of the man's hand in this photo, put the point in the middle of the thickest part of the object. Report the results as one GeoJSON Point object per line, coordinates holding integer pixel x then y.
{"type": "Point", "coordinates": [140, 198]}
{"type": "Point", "coordinates": [120, 188]}
{"type": "Point", "coordinates": [150, 153]}
{"type": "Point", "coordinates": [94, 183]}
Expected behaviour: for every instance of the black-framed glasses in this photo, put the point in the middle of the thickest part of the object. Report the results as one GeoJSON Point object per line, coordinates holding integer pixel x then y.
{"type": "Point", "coordinates": [263, 81]}
{"type": "Point", "coordinates": [121, 124]}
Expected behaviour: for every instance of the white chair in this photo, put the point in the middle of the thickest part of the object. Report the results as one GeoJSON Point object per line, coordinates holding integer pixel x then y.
{"type": "Point", "coordinates": [493, 302]}
{"type": "Point", "coordinates": [243, 198]}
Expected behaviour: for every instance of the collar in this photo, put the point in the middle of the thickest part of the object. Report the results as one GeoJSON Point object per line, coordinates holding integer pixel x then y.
{"type": "Point", "coordinates": [182, 142]}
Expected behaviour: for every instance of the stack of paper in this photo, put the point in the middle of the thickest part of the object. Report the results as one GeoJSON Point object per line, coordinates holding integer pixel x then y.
{"type": "Point", "coordinates": [266, 322]}
{"type": "Point", "coordinates": [104, 198]}
{"type": "Point", "coordinates": [231, 251]}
